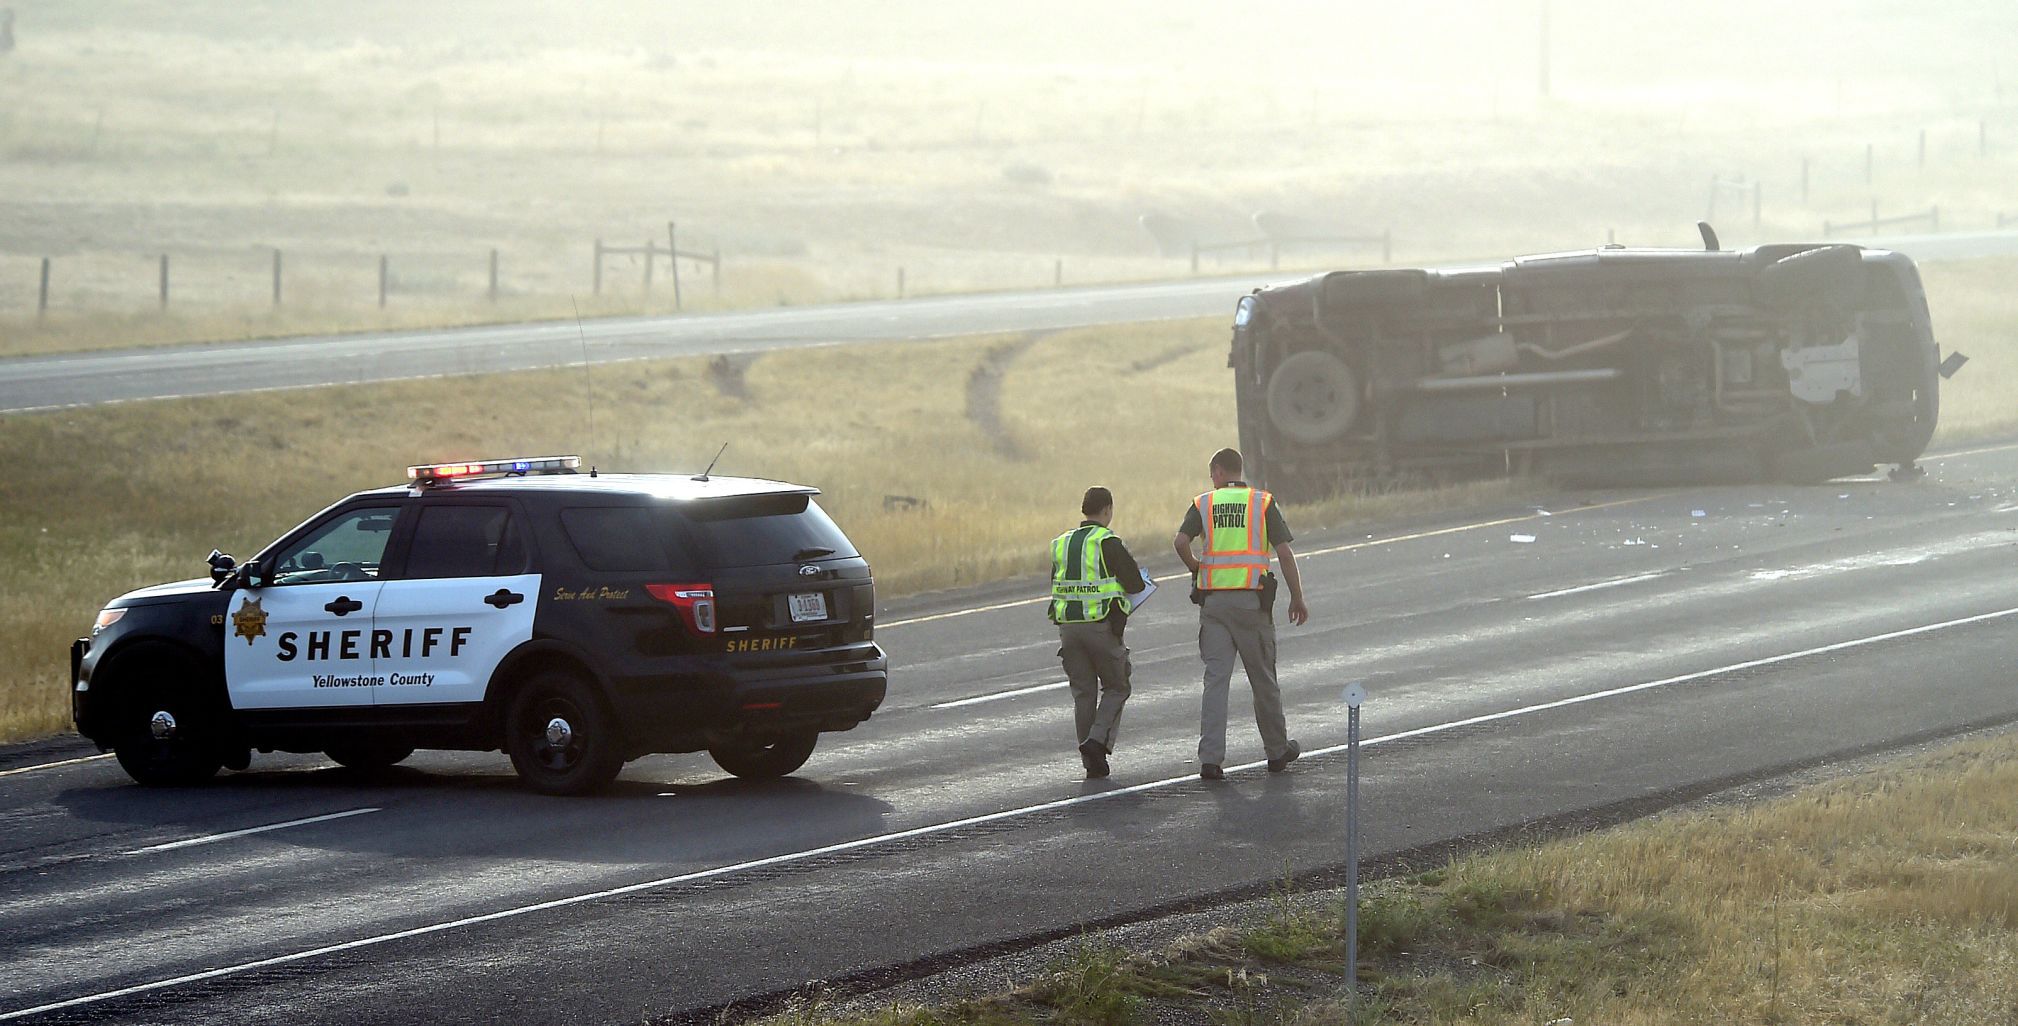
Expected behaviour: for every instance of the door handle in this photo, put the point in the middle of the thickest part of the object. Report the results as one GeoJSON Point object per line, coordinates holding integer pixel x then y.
{"type": "Point", "coordinates": [343, 605]}
{"type": "Point", "coordinates": [505, 598]}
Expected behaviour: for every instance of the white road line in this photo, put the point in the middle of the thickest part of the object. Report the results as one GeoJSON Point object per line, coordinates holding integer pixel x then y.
{"type": "Point", "coordinates": [961, 824]}
{"type": "Point", "coordinates": [229, 834]}
{"type": "Point", "coordinates": [1031, 690]}
{"type": "Point", "coordinates": [1635, 579]}
{"type": "Point", "coordinates": [53, 765]}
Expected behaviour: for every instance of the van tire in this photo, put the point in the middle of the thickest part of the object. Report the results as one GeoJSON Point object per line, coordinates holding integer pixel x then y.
{"type": "Point", "coordinates": [1313, 397]}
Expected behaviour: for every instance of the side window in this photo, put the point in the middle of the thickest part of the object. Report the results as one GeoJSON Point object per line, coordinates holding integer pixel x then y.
{"type": "Point", "coordinates": [347, 548]}
{"type": "Point", "coordinates": [615, 539]}
{"type": "Point", "coordinates": [466, 541]}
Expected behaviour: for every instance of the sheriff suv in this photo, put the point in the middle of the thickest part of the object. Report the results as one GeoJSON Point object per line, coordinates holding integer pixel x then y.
{"type": "Point", "coordinates": [576, 621]}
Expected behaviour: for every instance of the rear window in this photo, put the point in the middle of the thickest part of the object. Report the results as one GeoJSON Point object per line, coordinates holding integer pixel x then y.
{"type": "Point", "coordinates": [762, 529]}
{"type": "Point", "coordinates": [616, 539]}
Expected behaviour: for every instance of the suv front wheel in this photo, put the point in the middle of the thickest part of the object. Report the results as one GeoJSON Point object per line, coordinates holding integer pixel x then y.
{"type": "Point", "coordinates": [764, 758]}
{"type": "Point", "coordinates": [560, 737]}
{"type": "Point", "coordinates": [168, 734]}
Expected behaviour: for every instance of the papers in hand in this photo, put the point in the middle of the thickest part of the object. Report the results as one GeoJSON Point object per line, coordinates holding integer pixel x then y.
{"type": "Point", "coordinates": [1136, 600]}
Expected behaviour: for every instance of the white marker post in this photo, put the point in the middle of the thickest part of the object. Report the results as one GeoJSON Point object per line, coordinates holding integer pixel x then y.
{"type": "Point", "coordinates": [1354, 695]}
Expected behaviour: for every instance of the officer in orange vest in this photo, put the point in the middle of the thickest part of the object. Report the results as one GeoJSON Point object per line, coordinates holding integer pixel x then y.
{"type": "Point", "coordinates": [1240, 526]}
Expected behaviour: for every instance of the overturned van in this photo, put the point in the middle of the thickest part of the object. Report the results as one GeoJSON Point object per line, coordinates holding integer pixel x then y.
{"type": "Point", "coordinates": [1796, 362]}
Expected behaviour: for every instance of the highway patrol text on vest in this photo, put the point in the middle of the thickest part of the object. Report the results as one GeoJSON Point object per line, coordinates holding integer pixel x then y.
{"type": "Point", "coordinates": [1236, 538]}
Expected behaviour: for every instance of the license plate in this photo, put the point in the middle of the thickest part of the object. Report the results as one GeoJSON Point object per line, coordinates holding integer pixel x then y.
{"type": "Point", "coordinates": [809, 606]}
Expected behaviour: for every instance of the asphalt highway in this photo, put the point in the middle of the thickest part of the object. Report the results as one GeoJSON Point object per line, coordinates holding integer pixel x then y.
{"type": "Point", "coordinates": [1589, 652]}
{"type": "Point", "coordinates": [55, 382]}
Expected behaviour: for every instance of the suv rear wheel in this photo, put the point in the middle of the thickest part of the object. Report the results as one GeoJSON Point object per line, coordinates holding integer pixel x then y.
{"type": "Point", "coordinates": [560, 737]}
{"type": "Point", "coordinates": [764, 758]}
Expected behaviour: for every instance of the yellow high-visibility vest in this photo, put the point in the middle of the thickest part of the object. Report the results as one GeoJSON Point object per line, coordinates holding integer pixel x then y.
{"type": "Point", "coordinates": [1081, 588]}
{"type": "Point", "coordinates": [1235, 521]}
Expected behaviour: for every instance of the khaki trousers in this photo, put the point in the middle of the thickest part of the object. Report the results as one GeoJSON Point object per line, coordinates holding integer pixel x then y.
{"type": "Point", "coordinates": [1096, 665]}
{"type": "Point", "coordinates": [1231, 623]}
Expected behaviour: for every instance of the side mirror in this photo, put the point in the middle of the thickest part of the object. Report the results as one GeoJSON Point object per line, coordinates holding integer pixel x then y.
{"type": "Point", "coordinates": [249, 574]}
{"type": "Point", "coordinates": [220, 566]}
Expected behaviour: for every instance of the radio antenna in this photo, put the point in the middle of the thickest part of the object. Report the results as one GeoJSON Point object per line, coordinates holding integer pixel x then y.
{"type": "Point", "coordinates": [588, 380]}
{"type": "Point", "coordinates": [703, 475]}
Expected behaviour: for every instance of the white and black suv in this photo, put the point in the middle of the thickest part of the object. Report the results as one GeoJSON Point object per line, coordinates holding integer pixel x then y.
{"type": "Point", "coordinates": [576, 621]}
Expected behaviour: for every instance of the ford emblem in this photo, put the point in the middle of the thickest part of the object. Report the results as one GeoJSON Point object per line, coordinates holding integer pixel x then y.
{"type": "Point", "coordinates": [809, 570]}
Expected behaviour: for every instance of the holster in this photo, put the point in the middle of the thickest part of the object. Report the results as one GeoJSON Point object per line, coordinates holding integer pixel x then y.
{"type": "Point", "coordinates": [1269, 584]}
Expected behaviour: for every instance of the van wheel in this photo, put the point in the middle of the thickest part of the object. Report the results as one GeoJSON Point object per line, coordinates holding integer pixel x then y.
{"type": "Point", "coordinates": [764, 758]}
{"type": "Point", "coordinates": [168, 736]}
{"type": "Point", "coordinates": [560, 737]}
{"type": "Point", "coordinates": [1313, 397]}
{"type": "Point", "coordinates": [367, 756]}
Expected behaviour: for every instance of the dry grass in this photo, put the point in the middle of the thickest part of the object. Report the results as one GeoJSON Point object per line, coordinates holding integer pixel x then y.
{"type": "Point", "coordinates": [971, 145]}
{"type": "Point", "coordinates": [104, 500]}
{"type": "Point", "coordinates": [1888, 897]}
{"type": "Point", "coordinates": [1975, 313]}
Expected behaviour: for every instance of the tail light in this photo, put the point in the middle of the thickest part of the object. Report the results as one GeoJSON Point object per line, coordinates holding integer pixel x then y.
{"type": "Point", "coordinates": [696, 603]}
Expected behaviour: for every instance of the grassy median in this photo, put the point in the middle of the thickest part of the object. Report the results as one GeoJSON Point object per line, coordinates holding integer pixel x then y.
{"type": "Point", "coordinates": [1886, 897]}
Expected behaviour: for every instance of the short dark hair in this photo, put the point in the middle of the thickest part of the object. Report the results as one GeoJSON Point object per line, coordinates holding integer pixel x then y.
{"type": "Point", "coordinates": [1097, 499]}
{"type": "Point", "coordinates": [1227, 460]}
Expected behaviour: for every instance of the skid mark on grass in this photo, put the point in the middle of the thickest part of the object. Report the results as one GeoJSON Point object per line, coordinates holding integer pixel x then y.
{"type": "Point", "coordinates": [726, 373]}
{"type": "Point", "coordinates": [1170, 355]}
{"type": "Point", "coordinates": [984, 392]}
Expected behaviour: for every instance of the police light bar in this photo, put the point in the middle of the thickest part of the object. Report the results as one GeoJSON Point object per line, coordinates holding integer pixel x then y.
{"type": "Point", "coordinates": [434, 473]}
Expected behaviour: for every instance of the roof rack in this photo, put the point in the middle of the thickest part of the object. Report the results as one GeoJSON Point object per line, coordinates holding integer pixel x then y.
{"type": "Point", "coordinates": [431, 474]}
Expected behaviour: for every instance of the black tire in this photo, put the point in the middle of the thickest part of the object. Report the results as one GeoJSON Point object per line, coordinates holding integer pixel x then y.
{"type": "Point", "coordinates": [189, 746]}
{"type": "Point", "coordinates": [1313, 397]}
{"type": "Point", "coordinates": [561, 738]}
{"type": "Point", "coordinates": [764, 758]}
{"type": "Point", "coordinates": [368, 756]}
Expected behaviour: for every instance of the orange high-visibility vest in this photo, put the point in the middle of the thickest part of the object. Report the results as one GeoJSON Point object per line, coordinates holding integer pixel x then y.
{"type": "Point", "coordinates": [1235, 521]}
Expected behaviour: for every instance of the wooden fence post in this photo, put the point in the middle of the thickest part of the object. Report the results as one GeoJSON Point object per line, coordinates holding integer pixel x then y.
{"type": "Point", "coordinates": [276, 278]}
{"type": "Point", "coordinates": [164, 281]}
{"type": "Point", "coordinates": [651, 257]}
{"type": "Point", "coordinates": [599, 265]}
{"type": "Point", "coordinates": [383, 275]}
{"type": "Point", "coordinates": [493, 274]}
{"type": "Point", "coordinates": [673, 254]}
{"type": "Point", "coordinates": [42, 296]}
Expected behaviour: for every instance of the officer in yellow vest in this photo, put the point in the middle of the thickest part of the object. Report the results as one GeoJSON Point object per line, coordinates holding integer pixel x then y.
{"type": "Point", "coordinates": [1240, 526]}
{"type": "Point", "coordinates": [1092, 577]}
